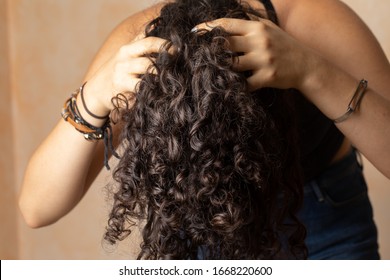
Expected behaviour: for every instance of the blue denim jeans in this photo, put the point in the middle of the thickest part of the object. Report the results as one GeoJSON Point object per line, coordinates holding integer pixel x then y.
{"type": "Point", "coordinates": [338, 215]}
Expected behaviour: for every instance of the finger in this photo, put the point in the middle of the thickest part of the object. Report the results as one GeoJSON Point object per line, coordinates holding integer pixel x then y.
{"type": "Point", "coordinates": [125, 84]}
{"type": "Point", "coordinates": [253, 83]}
{"type": "Point", "coordinates": [238, 44]}
{"type": "Point", "coordinates": [260, 79]}
{"type": "Point", "coordinates": [139, 36]}
{"type": "Point", "coordinates": [153, 45]}
{"type": "Point", "coordinates": [136, 66]}
{"type": "Point", "coordinates": [245, 63]}
{"type": "Point", "coordinates": [231, 25]}
{"type": "Point", "coordinates": [143, 47]}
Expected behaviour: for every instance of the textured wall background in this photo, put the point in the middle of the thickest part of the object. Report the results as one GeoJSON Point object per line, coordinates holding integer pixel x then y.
{"type": "Point", "coordinates": [8, 218]}
{"type": "Point", "coordinates": [45, 48]}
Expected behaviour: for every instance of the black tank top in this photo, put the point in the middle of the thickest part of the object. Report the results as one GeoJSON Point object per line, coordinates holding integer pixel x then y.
{"type": "Point", "coordinates": [319, 137]}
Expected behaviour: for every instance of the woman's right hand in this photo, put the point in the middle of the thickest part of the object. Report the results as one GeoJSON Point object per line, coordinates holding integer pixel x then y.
{"type": "Point", "coordinates": [120, 74]}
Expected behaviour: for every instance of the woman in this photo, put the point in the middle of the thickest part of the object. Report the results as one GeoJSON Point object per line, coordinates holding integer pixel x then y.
{"type": "Point", "coordinates": [322, 65]}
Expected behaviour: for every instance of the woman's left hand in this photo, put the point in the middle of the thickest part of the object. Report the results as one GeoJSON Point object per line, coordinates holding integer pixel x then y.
{"type": "Point", "coordinates": [274, 57]}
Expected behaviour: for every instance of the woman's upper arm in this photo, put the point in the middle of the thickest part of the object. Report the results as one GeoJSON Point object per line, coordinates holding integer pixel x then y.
{"type": "Point", "coordinates": [334, 31]}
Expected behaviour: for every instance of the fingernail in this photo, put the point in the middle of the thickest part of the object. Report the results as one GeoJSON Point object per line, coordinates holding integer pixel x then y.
{"type": "Point", "coordinates": [195, 29]}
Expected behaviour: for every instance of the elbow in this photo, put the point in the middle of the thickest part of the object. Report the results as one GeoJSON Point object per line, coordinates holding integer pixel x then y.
{"type": "Point", "coordinates": [31, 223]}
{"type": "Point", "coordinates": [31, 217]}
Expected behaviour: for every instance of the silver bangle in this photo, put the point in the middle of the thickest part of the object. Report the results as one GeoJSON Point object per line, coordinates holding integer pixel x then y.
{"type": "Point", "coordinates": [355, 101]}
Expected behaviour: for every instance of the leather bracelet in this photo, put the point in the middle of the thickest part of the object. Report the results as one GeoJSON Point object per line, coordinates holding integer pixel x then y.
{"type": "Point", "coordinates": [355, 101]}
{"type": "Point", "coordinates": [70, 113]}
{"type": "Point", "coordinates": [81, 92]}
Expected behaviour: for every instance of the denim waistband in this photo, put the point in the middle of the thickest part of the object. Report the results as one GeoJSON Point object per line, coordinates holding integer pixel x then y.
{"type": "Point", "coordinates": [337, 213]}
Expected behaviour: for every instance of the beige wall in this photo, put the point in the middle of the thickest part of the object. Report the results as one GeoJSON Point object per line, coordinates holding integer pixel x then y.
{"type": "Point", "coordinates": [50, 44]}
{"type": "Point", "coordinates": [45, 48]}
{"type": "Point", "coordinates": [8, 216]}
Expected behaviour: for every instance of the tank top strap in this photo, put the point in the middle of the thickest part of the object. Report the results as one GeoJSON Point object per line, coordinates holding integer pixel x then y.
{"type": "Point", "coordinates": [270, 10]}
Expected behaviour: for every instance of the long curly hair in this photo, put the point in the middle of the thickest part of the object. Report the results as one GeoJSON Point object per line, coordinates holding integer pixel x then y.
{"type": "Point", "coordinates": [209, 169]}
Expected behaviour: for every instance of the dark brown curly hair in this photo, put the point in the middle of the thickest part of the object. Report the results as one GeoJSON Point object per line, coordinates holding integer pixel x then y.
{"type": "Point", "coordinates": [211, 169]}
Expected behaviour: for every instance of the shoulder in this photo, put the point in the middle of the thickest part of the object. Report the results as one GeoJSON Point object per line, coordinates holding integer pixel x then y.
{"type": "Point", "coordinates": [327, 18]}
{"type": "Point", "coordinates": [335, 31]}
{"type": "Point", "coordinates": [316, 10]}
{"type": "Point", "coordinates": [125, 32]}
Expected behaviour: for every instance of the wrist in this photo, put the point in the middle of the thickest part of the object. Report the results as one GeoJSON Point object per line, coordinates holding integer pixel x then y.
{"type": "Point", "coordinates": [91, 108]}
{"type": "Point", "coordinates": [312, 71]}
{"type": "Point", "coordinates": [317, 78]}
{"type": "Point", "coordinates": [327, 86]}
{"type": "Point", "coordinates": [92, 127]}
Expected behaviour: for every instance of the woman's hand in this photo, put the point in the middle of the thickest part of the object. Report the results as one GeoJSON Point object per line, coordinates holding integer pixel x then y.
{"type": "Point", "coordinates": [274, 57]}
{"type": "Point", "coordinates": [120, 74]}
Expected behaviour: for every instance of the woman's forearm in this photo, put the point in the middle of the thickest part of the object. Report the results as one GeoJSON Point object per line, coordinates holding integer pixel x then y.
{"type": "Point", "coordinates": [55, 178]}
{"type": "Point", "coordinates": [331, 89]}
{"type": "Point", "coordinates": [64, 165]}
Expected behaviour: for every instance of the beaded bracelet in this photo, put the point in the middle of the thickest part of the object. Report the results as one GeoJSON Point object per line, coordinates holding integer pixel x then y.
{"type": "Point", "coordinates": [71, 114]}
{"type": "Point", "coordinates": [355, 101]}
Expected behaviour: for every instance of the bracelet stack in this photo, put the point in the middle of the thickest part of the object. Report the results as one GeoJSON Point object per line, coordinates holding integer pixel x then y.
{"type": "Point", "coordinates": [71, 114]}
{"type": "Point", "coordinates": [355, 101]}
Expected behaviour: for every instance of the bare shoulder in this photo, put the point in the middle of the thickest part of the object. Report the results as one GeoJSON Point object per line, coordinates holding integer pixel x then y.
{"type": "Point", "coordinates": [310, 12]}
{"type": "Point", "coordinates": [335, 31]}
{"type": "Point", "coordinates": [320, 20]}
{"type": "Point", "coordinates": [125, 32]}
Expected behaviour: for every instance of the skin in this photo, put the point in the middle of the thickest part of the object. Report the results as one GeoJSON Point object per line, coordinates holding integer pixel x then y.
{"type": "Point", "coordinates": [325, 65]}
